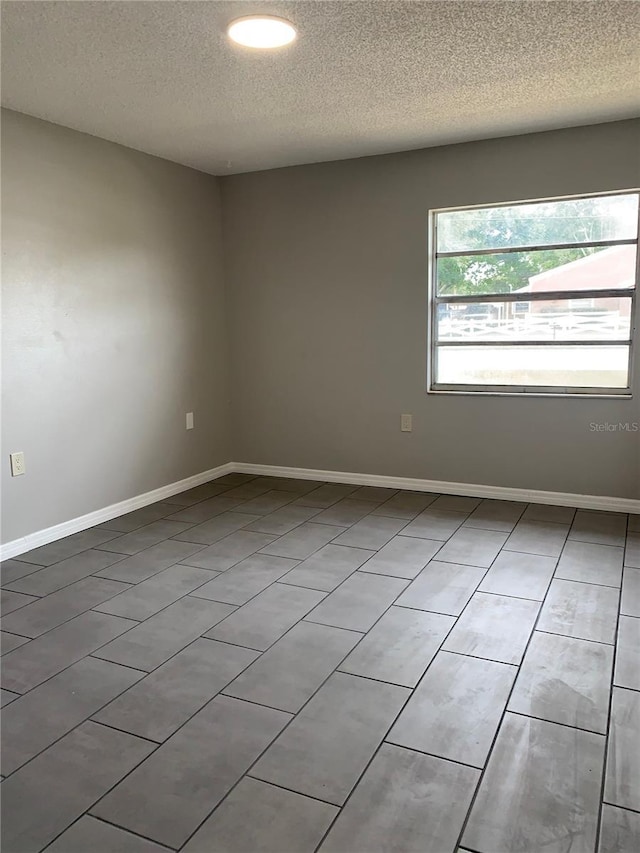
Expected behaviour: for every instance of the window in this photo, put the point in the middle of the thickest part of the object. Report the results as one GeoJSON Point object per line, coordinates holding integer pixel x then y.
{"type": "Point", "coordinates": [534, 297]}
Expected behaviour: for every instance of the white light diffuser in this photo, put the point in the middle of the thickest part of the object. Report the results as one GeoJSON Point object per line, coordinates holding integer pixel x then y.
{"type": "Point", "coordinates": [261, 31]}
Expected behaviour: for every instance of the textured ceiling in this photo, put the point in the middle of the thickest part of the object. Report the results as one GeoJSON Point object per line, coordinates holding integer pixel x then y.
{"type": "Point", "coordinates": [363, 77]}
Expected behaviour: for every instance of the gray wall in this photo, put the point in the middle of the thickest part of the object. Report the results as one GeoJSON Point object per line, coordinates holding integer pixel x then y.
{"type": "Point", "coordinates": [326, 271]}
{"type": "Point", "coordinates": [113, 305]}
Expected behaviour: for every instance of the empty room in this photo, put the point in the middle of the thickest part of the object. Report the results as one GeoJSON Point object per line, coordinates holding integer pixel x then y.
{"type": "Point", "coordinates": [320, 463]}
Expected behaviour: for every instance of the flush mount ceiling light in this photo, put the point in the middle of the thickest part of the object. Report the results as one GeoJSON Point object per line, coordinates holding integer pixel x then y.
{"type": "Point", "coordinates": [261, 31]}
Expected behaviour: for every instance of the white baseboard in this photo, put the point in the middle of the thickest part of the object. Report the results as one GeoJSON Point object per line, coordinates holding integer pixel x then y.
{"type": "Point", "coordinates": [74, 525]}
{"type": "Point", "coordinates": [502, 493]}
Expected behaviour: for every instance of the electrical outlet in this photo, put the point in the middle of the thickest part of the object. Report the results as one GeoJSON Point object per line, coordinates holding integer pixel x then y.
{"type": "Point", "coordinates": [17, 464]}
{"type": "Point", "coordinates": [189, 420]}
{"type": "Point", "coordinates": [406, 423]}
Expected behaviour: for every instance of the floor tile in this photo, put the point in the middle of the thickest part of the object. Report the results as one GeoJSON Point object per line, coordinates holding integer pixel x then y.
{"type": "Point", "coordinates": [13, 570]}
{"type": "Point", "coordinates": [420, 805]}
{"type": "Point", "coordinates": [601, 564]}
{"type": "Point", "coordinates": [583, 610]}
{"type": "Point", "coordinates": [537, 537]}
{"type": "Point", "coordinates": [541, 790]}
{"type": "Point", "coordinates": [442, 588]}
{"type": "Point", "coordinates": [228, 551]}
{"type": "Point", "coordinates": [268, 502]}
{"type": "Point", "coordinates": [599, 528]}
{"type": "Point", "coordinates": [244, 580]}
{"type": "Point", "coordinates": [145, 537]}
{"type": "Point", "coordinates": [399, 647]}
{"type": "Point", "coordinates": [630, 603]}
{"type": "Point", "coordinates": [434, 524]}
{"type": "Point", "coordinates": [199, 493]}
{"type": "Point", "coordinates": [359, 602]}
{"type": "Point", "coordinates": [205, 510]}
{"type": "Point", "coordinates": [236, 478]}
{"type": "Point", "coordinates": [326, 495]}
{"type": "Point", "coordinates": [10, 642]}
{"type": "Point", "coordinates": [49, 612]}
{"type": "Point", "coordinates": [62, 549]}
{"type": "Point", "coordinates": [283, 520]}
{"type": "Point", "coordinates": [216, 528]}
{"type": "Point", "coordinates": [6, 697]}
{"type": "Point", "coordinates": [328, 567]}
{"type": "Point", "coordinates": [62, 574]}
{"type": "Point", "coordinates": [633, 524]}
{"type": "Point", "coordinates": [456, 709]}
{"type": "Point", "coordinates": [519, 575]}
{"type": "Point", "coordinates": [291, 671]}
{"type": "Point", "coordinates": [472, 547]}
{"type": "Point", "coordinates": [261, 818]}
{"type": "Point", "coordinates": [48, 794]}
{"type": "Point", "coordinates": [548, 512]}
{"type": "Point", "coordinates": [291, 484]}
{"type": "Point", "coordinates": [405, 505]}
{"type": "Point", "coordinates": [157, 706]}
{"type": "Point", "coordinates": [622, 786]}
{"type": "Point", "coordinates": [304, 541]}
{"type": "Point", "coordinates": [373, 493]}
{"type": "Point", "coordinates": [372, 532]}
{"type": "Point", "coordinates": [10, 601]}
{"type": "Point", "coordinates": [144, 599]}
{"type": "Point", "coordinates": [167, 797]}
{"type": "Point", "coordinates": [48, 712]}
{"type": "Point", "coordinates": [90, 835]}
{"type": "Point", "coordinates": [344, 513]}
{"type": "Point", "coordinates": [455, 503]}
{"type": "Point", "coordinates": [565, 681]}
{"type": "Point", "coordinates": [494, 627]}
{"type": "Point", "coordinates": [619, 831]}
{"type": "Point", "coordinates": [329, 743]}
{"type": "Point", "coordinates": [248, 490]}
{"type": "Point", "coordinates": [139, 517]}
{"type": "Point", "coordinates": [403, 557]}
{"type": "Point", "coordinates": [496, 515]}
{"type": "Point", "coordinates": [150, 562]}
{"type": "Point", "coordinates": [632, 553]}
{"type": "Point", "coordinates": [39, 659]}
{"type": "Point", "coordinates": [153, 642]}
{"type": "Point", "coordinates": [264, 619]}
{"type": "Point", "coordinates": [627, 673]}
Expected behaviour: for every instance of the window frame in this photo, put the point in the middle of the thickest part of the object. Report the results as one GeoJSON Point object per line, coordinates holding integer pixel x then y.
{"type": "Point", "coordinates": [433, 300]}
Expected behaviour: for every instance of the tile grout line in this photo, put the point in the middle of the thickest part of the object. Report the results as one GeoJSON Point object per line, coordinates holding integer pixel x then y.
{"type": "Point", "coordinates": [402, 708]}
{"type": "Point", "coordinates": [247, 772]}
{"type": "Point", "coordinates": [85, 720]}
{"type": "Point", "coordinates": [609, 709]}
{"type": "Point", "coordinates": [219, 693]}
{"type": "Point", "coordinates": [92, 654]}
{"type": "Point", "coordinates": [87, 811]}
{"type": "Point", "coordinates": [103, 820]}
{"type": "Point", "coordinates": [504, 712]}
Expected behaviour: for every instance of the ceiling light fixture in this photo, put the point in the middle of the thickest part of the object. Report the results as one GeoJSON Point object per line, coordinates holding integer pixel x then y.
{"type": "Point", "coordinates": [261, 31]}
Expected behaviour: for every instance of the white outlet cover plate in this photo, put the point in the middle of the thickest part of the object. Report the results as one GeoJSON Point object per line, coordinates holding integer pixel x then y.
{"type": "Point", "coordinates": [17, 464]}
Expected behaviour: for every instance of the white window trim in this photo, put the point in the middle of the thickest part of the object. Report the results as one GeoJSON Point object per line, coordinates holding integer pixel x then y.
{"type": "Point", "coordinates": [527, 390]}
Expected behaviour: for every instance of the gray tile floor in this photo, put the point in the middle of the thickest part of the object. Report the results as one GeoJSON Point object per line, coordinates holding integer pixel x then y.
{"type": "Point", "coordinates": [263, 665]}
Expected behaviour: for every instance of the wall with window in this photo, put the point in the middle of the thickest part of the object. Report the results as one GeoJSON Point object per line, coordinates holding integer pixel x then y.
{"type": "Point", "coordinates": [326, 276]}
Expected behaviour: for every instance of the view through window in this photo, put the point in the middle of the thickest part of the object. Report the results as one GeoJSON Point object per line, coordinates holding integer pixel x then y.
{"type": "Point", "coordinates": [534, 297]}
